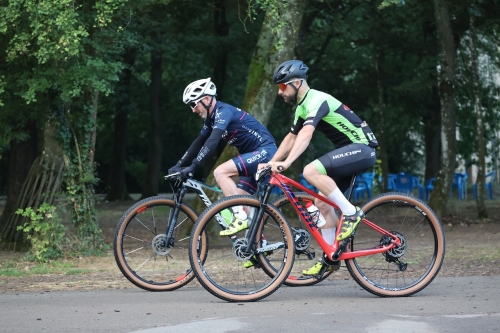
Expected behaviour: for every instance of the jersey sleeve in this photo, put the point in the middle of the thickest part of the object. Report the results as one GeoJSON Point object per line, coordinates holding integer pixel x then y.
{"type": "Point", "coordinates": [297, 126]}
{"type": "Point", "coordinates": [209, 146]}
{"type": "Point", "coordinates": [315, 115]}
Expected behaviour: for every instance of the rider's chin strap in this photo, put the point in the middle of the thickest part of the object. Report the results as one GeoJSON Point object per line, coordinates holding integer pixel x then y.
{"type": "Point", "coordinates": [207, 107]}
{"type": "Point", "coordinates": [296, 92]}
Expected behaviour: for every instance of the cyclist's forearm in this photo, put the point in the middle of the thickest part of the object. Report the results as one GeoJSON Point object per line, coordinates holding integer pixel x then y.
{"type": "Point", "coordinates": [300, 144]}
{"type": "Point", "coordinates": [284, 148]}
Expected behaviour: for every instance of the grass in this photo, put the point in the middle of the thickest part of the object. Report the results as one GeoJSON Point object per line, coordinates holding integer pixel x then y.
{"type": "Point", "coordinates": [17, 266]}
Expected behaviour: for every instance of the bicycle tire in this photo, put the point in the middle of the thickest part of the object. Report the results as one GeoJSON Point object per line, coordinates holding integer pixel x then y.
{"type": "Point", "coordinates": [409, 268]}
{"type": "Point", "coordinates": [137, 245]}
{"type": "Point", "coordinates": [221, 271]}
{"type": "Point", "coordinates": [296, 279]}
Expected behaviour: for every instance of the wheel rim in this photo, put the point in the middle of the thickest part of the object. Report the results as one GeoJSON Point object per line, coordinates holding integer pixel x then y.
{"type": "Point", "coordinates": [142, 255]}
{"type": "Point", "coordinates": [223, 271]}
{"type": "Point", "coordinates": [403, 270]}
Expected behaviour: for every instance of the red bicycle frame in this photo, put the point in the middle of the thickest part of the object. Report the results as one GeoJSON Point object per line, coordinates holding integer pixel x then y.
{"type": "Point", "coordinates": [283, 182]}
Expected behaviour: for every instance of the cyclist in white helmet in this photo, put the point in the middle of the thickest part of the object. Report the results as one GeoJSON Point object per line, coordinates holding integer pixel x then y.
{"type": "Point", "coordinates": [222, 121]}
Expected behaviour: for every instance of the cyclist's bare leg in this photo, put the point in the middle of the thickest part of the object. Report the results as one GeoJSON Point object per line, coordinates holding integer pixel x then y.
{"type": "Point", "coordinates": [328, 213]}
{"type": "Point", "coordinates": [223, 175]}
{"type": "Point", "coordinates": [325, 184]}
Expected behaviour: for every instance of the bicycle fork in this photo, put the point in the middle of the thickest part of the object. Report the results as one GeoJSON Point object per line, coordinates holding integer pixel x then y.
{"type": "Point", "coordinates": [172, 218]}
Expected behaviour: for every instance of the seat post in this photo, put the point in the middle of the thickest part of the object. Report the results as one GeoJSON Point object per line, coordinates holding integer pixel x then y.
{"type": "Point", "coordinates": [353, 180]}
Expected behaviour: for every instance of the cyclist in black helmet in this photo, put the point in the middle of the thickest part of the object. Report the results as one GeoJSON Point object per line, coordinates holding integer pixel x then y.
{"type": "Point", "coordinates": [331, 173]}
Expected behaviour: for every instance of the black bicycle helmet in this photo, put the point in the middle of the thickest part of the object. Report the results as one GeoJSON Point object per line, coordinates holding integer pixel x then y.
{"type": "Point", "coordinates": [291, 69]}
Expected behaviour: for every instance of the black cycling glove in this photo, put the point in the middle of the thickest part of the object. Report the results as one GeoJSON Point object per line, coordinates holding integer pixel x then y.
{"type": "Point", "coordinates": [176, 168]}
{"type": "Point", "coordinates": [188, 172]}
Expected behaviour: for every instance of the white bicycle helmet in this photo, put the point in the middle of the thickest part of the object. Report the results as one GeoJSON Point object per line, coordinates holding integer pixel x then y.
{"type": "Point", "coordinates": [198, 89]}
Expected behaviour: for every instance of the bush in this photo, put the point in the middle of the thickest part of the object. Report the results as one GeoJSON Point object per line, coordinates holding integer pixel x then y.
{"type": "Point", "coordinates": [45, 232]}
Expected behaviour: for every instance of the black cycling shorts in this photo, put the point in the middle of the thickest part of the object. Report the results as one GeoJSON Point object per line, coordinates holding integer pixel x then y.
{"type": "Point", "coordinates": [342, 163]}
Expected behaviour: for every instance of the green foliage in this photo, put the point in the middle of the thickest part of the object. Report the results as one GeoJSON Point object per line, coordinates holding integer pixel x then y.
{"type": "Point", "coordinates": [45, 232]}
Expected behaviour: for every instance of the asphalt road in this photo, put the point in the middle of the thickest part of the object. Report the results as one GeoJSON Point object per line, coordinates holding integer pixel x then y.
{"type": "Point", "coordinates": [467, 304]}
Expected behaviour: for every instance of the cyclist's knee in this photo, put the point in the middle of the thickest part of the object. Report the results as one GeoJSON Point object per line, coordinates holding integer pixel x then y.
{"type": "Point", "coordinates": [311, 171]}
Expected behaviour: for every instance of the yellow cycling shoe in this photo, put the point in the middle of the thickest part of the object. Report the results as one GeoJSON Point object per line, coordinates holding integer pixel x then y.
{"type": "Point", "coordinates": [235, 227]}
{"type": "Point", "coordinates": [349, 224]}
{"type": "Point", "coordinates": [317, 268]}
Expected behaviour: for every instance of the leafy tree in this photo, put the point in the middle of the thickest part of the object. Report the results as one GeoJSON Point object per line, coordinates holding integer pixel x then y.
{"type": "Point", "coordinates": [74, 51]}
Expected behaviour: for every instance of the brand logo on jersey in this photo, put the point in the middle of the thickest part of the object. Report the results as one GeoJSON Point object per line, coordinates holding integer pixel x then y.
{"type": "Point", "coordinates": [348, 130]}
{"type": "Point", "coordinates": [217, 114]}
{"type": "Point", "coordinates": [254, 133]}
{"type": "Point", "coordinates": [349, 153]}
{"type": "Point", "coordinates": [257, 157]}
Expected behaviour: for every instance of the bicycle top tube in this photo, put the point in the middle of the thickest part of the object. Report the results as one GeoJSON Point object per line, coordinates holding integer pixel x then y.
{"type": "Point", "coordinates": [210, 187]}
{"type": "Point", "coordinates": [282, 181]}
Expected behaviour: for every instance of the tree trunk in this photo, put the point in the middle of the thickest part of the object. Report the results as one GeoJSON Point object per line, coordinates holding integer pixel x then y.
{"type": "Point", "coordinates": [22, 156]}
{"type": "Point", "coordinates": [260, 93]}
{"type": "Point", "coordinates": [221, 29]}
{"type": "Point", "coordinates": [439, 197]}
{"type": "Point", "coordinates": [481, 146]}
{"type": "Point", "coordinates": [151, 183]}
{"type": "Point", "coordinates": [379, 57]}
{"type": "Point", "coordinates": [381, 135]}
{"type": "Point", "coordinates": [41, 184]}
{"type": "Point", "coordinates": [432, 129]}
{"type": "Point", "coordinates": [117, 188]}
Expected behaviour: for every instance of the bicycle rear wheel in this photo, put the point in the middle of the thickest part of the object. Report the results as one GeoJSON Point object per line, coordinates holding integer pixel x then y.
{"type": "Point", "coordinates": [140, 252]}
{"type": "Point", "coordinates": [223, 270]}
{"type": "Point", "coordinates": [305, 247]}
{"type": "Point", "coordinates": [409, 268]}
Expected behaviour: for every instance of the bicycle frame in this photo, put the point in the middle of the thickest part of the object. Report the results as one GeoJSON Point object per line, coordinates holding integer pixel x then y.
{"type": "Point", "coordinates": [336, 251]}
{"type": "Point", "coordinates": [197, 187]}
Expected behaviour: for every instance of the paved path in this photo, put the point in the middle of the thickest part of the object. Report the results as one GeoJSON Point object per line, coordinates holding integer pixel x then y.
{"type": "Point", "coordinates": [466, 304]}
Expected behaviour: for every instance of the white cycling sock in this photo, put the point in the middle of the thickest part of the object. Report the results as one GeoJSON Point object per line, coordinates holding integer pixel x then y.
{"type": "Point", "coordinates": [329, 235]}
{"type": "Point", "coordinates": [345, 206]}
{"type": "Point", "coordinates": [239, 212]}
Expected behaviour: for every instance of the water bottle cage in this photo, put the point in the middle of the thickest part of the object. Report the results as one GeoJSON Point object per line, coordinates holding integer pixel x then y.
{"type": "Point", "coordinates": [314, 216]}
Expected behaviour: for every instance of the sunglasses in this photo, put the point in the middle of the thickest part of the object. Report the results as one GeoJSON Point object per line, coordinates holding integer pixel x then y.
{"type": "Point", "coordinates": [194, 103]}
{"type": "Point", "coordinates": [282, 86]}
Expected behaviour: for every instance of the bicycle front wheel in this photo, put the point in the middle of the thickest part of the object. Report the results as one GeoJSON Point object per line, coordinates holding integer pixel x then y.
{"type": "Point", "coordinates": [226, 269]}
{"type": "Point", "coordinates": [408, 268]}
{"type": "Point", "coordinates": [139, 247]}
{"type": "Point", "coordinates": [307, 250]}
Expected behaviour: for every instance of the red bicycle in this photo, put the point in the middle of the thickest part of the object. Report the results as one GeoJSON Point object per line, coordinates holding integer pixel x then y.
{"type": "Point", "coordinates": [397, 250]}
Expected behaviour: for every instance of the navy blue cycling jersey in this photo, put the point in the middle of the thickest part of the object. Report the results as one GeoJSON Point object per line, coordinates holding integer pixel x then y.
{"type": "Point", "coordinates": [241, 129]}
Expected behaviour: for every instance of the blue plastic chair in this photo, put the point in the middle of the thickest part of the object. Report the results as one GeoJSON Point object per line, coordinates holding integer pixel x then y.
{"type": "Point", "coordinates": [416, 184]}
{"type": "Point", "coordinates": [488, 184]}
{"type": "Point", "coordinates": [363, 186]}
{"type": "Point", "coordinates": [404, 183]}
{"type": "Point", "coordinates": [391, 178]}
{"type": "Point", "coordinates": [428, 187]}
{"type": "Point", "coordinates": [460, 183]}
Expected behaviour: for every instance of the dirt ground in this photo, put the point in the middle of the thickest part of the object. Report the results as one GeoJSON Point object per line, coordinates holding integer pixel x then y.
{"type": "Point", "coordinates": [472, 248]}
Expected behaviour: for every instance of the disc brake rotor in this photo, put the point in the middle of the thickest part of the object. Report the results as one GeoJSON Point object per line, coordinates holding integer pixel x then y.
{"type": "Point", "coordinates": [159, 246]}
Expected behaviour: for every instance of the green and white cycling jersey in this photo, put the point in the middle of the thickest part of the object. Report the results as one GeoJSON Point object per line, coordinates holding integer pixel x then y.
{"type": "Point", "coordinates": [328, 115]}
